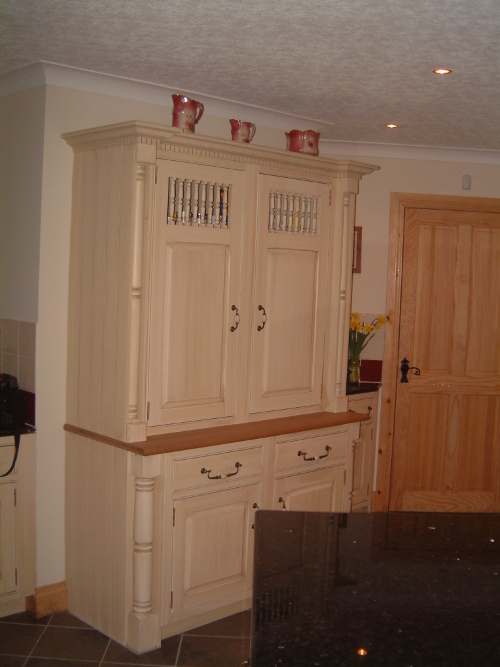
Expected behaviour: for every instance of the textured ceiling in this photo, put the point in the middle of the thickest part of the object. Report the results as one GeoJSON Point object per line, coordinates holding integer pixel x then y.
{"type": "Point", "coordinates": [353, 65]}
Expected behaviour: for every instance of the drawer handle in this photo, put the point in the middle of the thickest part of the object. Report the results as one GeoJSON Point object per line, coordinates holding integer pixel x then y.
{"type": "Point", "coordinates": [264, 318]}
{"type": "Point", "coordinates": [256, 507]}
{"type": "Point", "coordinates": [315, 458]}
{"type": "Point", "coordinates": [280, 500]}
{"type": "Point", "coordinates": [369, 409]}
{"type": "Point", "coordinates": [237, 465]}
{"type": "Point", "coordinates": [236, 318]}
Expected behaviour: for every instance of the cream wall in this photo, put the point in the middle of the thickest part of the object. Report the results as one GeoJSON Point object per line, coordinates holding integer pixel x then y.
{"type": "Point", "coordinates": [21, 155]}
{"type": "Point", "coordinates": [68, 109]}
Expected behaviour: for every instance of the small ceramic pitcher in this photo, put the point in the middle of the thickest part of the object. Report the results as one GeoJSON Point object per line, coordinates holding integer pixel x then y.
{"type": "Point", "coordinates": [242, 131]}
{"type": "Point", "coordinates": [303, 141]}
{"type": "Point", "coordinates": [186, 112]}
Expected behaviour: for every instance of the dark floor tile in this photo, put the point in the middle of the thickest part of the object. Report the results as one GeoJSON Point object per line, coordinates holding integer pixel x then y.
{"type": "Point", "coordinates": [18, 639]}
{"type": "Point", "coordinates": [11, 661]}
{"type": "Point", "coordinates": [213, 651]}
{"type": "Point", "coordinates": [66, 620]}
{"type": "Point", "coordinates": [238, 625]}
{"type": "Point", "coordinates": [49, 662]}
{"type": "Point", "coordinates": [166, 655]}
{"type": "Point", "coordinates": [71, 644]}
{"type": "Point", "coordinates": [25, 618]}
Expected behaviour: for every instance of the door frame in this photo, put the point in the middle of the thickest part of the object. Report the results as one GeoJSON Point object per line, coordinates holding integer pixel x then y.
{"type": "Point", "coordinates": [400, 201]}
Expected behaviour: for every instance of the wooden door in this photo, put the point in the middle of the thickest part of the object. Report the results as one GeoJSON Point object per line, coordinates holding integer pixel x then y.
{"type": "Point", "coordinates": [446, 450]}
{"type": "Point", "coordinates": [290, 293]}
{"type": "Point", "coordinates": [195, 293]}
{"type": "Point", "coordinates": [213, 546]}
{"type": "Point", "coordinates": [314, 491]}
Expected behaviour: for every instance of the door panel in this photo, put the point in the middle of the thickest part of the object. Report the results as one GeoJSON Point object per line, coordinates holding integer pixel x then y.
{"type": "Point", "coordinates": [290, 293]}
{"type": "Point", "coordinates": [446, 451]}
{"type": "Point", "coordinates": [315, 491]}
{"type": "Point", "coordinates": [195, 284]}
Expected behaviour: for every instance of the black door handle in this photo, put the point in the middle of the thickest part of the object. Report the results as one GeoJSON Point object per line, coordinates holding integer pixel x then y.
{"type": "Point", "coordinates": [405, 367]}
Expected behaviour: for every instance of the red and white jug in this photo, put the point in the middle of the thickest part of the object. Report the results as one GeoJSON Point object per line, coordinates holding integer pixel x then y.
{"type": "Point", "coordinates": [242, 130]}
{"type": "Point", "coordinates": [186, 113]}
{"type": "Point", "coordinates": [302, 141]}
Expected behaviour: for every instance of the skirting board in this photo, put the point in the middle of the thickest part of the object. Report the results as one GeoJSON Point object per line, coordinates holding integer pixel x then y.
{"type": "Point", "coordinates": [48, 600]}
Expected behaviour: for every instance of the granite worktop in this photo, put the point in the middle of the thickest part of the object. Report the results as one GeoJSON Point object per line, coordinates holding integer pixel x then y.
{"type": "Point", "coordinates": [396, 589]}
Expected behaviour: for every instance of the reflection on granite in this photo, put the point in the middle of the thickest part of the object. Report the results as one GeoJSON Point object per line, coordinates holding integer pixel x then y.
{"type": "Point", "coordinates": [362, 388]}
{"type": "Point", "coordinates": [396, 589]}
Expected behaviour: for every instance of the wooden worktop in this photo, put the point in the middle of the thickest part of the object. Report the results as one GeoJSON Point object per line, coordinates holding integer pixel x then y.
{"type": "Point", "coordinates": [221, 435]}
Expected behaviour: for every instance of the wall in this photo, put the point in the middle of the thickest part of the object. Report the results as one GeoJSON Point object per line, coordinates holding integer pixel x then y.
{"type": "Point", "coordinates": [21, 155]}
{"type": "Point", "coordinates": [68, 109]}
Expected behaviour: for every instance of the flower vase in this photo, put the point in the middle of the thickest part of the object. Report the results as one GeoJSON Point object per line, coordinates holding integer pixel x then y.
{"type": "Point", "coordinates": [354, 371]}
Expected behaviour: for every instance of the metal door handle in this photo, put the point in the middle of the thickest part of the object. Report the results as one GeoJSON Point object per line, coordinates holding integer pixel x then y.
{"type": "Point", "coordinates": [405, 367]}
{"type": "Point", "coordinates": [264, 318]}
{"type": "Point", "coordinates": [236, 318]}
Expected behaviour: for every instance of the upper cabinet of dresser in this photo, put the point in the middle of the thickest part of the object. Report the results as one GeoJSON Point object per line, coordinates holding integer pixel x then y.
{"type": "Point", "coordinates": [208, 281]}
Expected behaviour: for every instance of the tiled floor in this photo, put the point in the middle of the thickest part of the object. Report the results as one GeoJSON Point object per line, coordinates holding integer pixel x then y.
{"type": "Point", "coordinates": [62, 640]}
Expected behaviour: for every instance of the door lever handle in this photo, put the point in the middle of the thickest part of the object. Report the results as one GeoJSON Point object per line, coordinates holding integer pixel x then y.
{"type": "Point", "coordinates": [405, 367]}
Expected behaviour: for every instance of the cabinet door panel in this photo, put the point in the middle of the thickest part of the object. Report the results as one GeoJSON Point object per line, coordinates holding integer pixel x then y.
{"type": "Point", "coordinates": [196, 281]}
{"type": "Point", "coordinates": [213, 546]}
{"type": "Point", "coordinates": [290, 288]}
{"type": "Point", "coordinates": [315, 491]}
{"type": "Point", "coordinates": [361, 464]}
{"type": "Point", "coordinates": [7, 538]}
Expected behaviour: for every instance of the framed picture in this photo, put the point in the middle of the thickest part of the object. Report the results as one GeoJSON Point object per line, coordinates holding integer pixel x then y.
{"type": "Point", "coordinates": [356, 250]}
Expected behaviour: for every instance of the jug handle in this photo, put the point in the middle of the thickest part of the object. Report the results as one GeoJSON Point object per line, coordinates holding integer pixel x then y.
{"type": "Point", "coordinates": [252, 131]}
{"type": "Point", "coordinates": [199, 112]}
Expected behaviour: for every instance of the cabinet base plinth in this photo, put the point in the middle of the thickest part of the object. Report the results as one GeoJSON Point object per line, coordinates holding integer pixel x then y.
{"type": "Point", "coordinates": [143, 633]}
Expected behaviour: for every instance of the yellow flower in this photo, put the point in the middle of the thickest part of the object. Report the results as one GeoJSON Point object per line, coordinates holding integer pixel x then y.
{"type": "Point", "coordinates": [355, 316]}
{"type": "Point", "coordinates": [382, 319]}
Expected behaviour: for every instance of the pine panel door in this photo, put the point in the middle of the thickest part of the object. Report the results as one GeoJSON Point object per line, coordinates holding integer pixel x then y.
{"type": "Point", "coordinates": [446, 452]}
{"type": "Point", "coordinates": [290, 293]}
{"type": "Point", "coordinates": [195, 292]}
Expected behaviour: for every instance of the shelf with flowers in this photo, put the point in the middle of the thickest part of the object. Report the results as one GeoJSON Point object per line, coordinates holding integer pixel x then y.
{"type": "Point", "coordinates": [360, 334]}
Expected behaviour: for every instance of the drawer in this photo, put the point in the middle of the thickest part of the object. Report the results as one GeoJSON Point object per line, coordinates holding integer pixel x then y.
{"type": "Point", "coordinates": [222, 467]}
{"type": "Point", "coordinates": [363, 405]}
{"type": "Point", "coordinates": [320, 449]}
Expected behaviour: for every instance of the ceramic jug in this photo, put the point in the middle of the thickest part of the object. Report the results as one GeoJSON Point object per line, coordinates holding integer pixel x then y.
{"type": "Point", "coordinates": [242, 130]}
{"type": "Point", "coordinates": [186, 113]}
{"type": "Point", "coordinates": [303, 141]}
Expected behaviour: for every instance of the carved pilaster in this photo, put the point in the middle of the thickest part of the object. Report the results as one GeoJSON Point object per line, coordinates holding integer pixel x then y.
{"type": "Point", "coordinates": [143, 633]}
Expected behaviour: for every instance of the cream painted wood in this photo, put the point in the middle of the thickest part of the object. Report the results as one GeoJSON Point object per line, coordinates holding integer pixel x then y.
{"type": "Point", "coordinates": [297, 453]}
{"type": "Point", "coordinates": [200, 472]}
{"type": "Point", "coordinates": [290, 293]}
{"type": "Point", "coordinates": [364, 451]}
{"type": "Point", "coordinates": [8, 578]}
{"type": "Point", "coordinates": [213, 546]}
{"type": "Point", "coordinates": [17, 520]}
{"type": "Point", "coordinates": [195, 294]}
{"type": "Point", "coordinates": [116, 365]}
{"type": "Point", "coordinates": [321, 490]}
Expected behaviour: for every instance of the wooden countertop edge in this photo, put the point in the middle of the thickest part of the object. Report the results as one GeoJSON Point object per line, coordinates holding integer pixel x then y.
{"type": "Point", "coordinates": [221, 435]}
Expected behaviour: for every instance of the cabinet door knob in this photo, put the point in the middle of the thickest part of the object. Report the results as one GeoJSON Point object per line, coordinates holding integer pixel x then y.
{"type": "Point", "coordinates": [236, 318]}
{"type": "Point", "coordinates": [264, 318]}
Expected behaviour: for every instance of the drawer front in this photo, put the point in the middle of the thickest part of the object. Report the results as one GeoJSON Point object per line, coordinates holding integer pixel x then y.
{"type": "Point", "coordinates": [363, 405]}
{"type": "Point", "coordinates": [216, 469]}
{"type": "Point", "coordinates": [310, 451]}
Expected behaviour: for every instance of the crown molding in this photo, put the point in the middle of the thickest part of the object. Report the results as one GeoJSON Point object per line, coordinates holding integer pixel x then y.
{"type": "Point", "coordinates": [53, 74]}
{"type": "Point", "coordinates": [354, 149]}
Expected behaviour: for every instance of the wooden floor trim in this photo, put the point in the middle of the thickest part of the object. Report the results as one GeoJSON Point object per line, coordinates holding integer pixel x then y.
{"type": "Point", "coordinates": [48, 600]}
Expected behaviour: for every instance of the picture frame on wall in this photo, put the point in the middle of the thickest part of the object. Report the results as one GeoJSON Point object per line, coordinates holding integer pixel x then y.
{"type": "Point", "coordinates": [356, 250]}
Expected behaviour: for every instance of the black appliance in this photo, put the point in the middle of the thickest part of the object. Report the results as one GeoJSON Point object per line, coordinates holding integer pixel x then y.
{"type": "Point", "coordinates": [12, 413]}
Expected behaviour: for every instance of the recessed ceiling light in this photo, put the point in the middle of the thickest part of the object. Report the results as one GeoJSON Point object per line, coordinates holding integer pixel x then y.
{"type": "Point", "coordinates": [442, 70]}
{"type": "Point", "coordinates": [391, 126]}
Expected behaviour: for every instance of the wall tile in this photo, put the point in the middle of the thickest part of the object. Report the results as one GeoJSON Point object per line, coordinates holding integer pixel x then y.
{"type": "Point", "coordinates": [10, 339]}
{"type": "Point", "coordinates": [9, 363]}
{"type": "Point", "coordinates": [27, 338]}
{"type": "Point", "coordinates": [26, 373]}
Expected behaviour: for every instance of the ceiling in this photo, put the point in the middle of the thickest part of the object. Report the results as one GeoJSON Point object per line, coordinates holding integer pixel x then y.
{"type": "Point", "coordinates": [352, 65]}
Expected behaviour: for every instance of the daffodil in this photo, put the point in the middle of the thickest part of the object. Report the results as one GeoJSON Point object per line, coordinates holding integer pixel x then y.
{"type": "Point", "coordinates": [360, 333]}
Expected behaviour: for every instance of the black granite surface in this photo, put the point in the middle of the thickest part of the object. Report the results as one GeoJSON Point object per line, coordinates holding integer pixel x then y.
{"type": "Point", "coordinates": [396, 589]}
{"type": "Point", "coordinates": [362, 388]}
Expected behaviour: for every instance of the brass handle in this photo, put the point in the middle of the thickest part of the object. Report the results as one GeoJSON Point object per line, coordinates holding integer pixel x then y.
{"type": "Point", "coordinates": [204, 471]}
{"type": "Point", "coordinates": [315, 458]}
{"type": "Point", "coordinates": [236, 318]}
{"type": "Point", "coordinates": [264, 318]}
{"type": "Point", "coordinates": [280, 500]}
